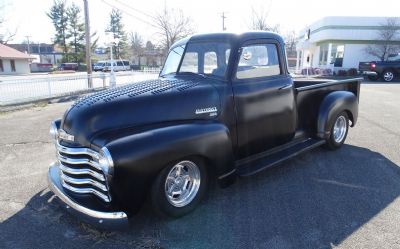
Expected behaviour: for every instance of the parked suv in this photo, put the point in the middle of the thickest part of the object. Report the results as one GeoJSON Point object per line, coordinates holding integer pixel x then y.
{"type": "Point", "coordinates": [68, 66]}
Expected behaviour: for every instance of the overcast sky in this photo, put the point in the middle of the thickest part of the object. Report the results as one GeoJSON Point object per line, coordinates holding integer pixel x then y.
{"type": "Point", "coordinates": [29, 16]}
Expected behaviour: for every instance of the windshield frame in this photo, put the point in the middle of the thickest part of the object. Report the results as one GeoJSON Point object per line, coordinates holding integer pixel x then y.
{"type": "Point", "coordinates": [186, 44]}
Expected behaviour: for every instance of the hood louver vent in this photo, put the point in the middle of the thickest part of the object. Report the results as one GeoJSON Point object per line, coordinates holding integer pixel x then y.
{"type": "Point", "coordinates": [135, 89]}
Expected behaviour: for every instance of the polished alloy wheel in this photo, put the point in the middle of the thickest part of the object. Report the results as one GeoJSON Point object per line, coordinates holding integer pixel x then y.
{"type": "Point", "coordinates": [182, 183]}
{"type": "Point", "coordinates": [388, 76]}
{"type": "Point", "coordinates": [340, 129]}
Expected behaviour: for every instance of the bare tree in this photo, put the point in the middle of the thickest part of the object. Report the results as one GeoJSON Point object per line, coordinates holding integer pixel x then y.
{"type": "Point", "coordinates": [7, 34]}
{"type": "Point", "coordinates": [259, 20]}
{"type": "Point", "coordinates": [389, 39]}
{"type": "Point", "coordinates": [136, 45]}
{"type": "Point", "coordinates": [291, 40]}
{"type": "Point", "coordinates": [172, 25]}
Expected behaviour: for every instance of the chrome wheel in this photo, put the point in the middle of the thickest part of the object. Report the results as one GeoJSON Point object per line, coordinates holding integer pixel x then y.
{"type": "Point", "coordinates": [388, 76]}
{"type": "Point", "coordinates": [182, 183]}
{"type": "Point", "coordinates": [340, 129]}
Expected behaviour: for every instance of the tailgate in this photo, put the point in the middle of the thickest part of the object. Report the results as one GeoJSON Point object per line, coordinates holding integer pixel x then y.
{"type": "Point", "coordinates": [364, 66]}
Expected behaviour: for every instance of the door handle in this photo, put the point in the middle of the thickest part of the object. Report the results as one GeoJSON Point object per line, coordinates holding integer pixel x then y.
{"type": "Point", "coordinates": [285, 87]}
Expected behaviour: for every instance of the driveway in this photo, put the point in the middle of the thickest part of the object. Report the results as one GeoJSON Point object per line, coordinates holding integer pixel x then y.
{"type": "Point", "coordinates": [322, 199]}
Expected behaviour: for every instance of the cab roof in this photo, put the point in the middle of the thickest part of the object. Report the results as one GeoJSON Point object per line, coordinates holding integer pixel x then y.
{"type": "Point", "coordinates": [230, 37]}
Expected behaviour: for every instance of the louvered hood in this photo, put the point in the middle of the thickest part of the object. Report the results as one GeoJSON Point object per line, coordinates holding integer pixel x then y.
{"type": "Point", "coordinates": [143, 103]}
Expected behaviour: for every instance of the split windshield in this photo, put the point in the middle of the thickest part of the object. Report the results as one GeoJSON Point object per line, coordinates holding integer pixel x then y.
{"type": "Point", "coordinates": [202, 58]}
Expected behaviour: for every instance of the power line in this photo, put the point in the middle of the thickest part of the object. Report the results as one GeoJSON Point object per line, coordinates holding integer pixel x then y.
{"type": "Point", "coordinates": [129, 14]}
{"type": "Point", "coordinates": [134, 9]}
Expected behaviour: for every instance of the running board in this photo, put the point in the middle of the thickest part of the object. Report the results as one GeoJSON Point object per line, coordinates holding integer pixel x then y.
{"type": "Point", "coordinates": [252, 167]}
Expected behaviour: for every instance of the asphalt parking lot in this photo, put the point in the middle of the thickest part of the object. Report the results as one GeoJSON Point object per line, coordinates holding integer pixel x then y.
{"type": "Point", "coordinates": [343, 199]}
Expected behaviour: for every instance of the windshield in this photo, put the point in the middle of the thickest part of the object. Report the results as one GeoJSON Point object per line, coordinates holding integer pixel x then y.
{"type": "Point", "coordinates": [203, 58]}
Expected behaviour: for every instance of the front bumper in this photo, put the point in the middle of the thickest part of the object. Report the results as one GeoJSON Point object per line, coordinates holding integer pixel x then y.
{"type": "Point", "coordinates": [96, 218]}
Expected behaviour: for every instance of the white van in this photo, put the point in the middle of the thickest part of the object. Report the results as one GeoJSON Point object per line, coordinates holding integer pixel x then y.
{"type": "Point", "coordinates": [120, 65]}
{"type": "Point", "coordinates": [99, 66]}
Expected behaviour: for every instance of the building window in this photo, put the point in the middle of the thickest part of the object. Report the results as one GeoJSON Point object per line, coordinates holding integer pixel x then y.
{"type": "Point", "coordinates": [1, 66]}
{"type": "Point", "coordinates": [323, 54]}
{"type": "Point", "coordinates": [12, 62]}
{"type": "Point", "coordinates": [337, 55]}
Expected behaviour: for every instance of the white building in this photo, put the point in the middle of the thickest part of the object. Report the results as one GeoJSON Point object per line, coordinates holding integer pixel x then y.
{"type": "Point", "coordinates": [338, 42]}
{"type": "Point", "coordinates": [13, 62]}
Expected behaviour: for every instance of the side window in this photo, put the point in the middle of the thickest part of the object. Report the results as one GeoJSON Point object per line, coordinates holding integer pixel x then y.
{"type": "Point", "coordinates": [119, 63]}
{"type": "Point", "coordinates": [259, 60]}
{"type": "Point", "coordinates": [190, 62]}
{"type": "Point", "coordinates": [210, 62]}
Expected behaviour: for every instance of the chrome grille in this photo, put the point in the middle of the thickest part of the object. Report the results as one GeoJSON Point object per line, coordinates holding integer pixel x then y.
{"type": "Point", "coordinates": [81, 173]}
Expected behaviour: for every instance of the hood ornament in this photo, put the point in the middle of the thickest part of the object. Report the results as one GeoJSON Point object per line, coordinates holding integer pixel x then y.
{"type": "Point", "coordinates": [65, 136]}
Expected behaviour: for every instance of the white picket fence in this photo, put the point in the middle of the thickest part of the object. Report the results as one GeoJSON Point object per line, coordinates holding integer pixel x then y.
{"type": "Point", "coordinates": [14, 90]}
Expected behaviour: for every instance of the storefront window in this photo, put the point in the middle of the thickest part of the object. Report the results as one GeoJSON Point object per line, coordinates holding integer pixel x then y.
{"type": "Point", "coordinates": [323, 54]}
{"type": "Point", "coordinates": [337, 54]}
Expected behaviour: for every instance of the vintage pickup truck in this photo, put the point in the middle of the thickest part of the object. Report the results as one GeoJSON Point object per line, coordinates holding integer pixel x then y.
{"type": "Point", "coordinates": [224, 106]}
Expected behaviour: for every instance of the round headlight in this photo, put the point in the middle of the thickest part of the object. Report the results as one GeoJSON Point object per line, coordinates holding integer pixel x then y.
{"type": "Point", "coordinates": [53, 131]}
{"type": "Point", "coordinates": [106, 162]}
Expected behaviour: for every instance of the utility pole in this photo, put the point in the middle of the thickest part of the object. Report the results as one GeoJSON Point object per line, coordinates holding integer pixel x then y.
{"type": "Point", "coordinates": [223, 21]}
{"type": "Point", "coordinates": [29, 45]}
{"type": "Point", "coordinates": [88, 45]}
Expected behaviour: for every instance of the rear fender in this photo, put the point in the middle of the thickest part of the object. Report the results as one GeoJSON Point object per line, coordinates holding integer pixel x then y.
{"type": "Point", "coordinates": [332, 105]}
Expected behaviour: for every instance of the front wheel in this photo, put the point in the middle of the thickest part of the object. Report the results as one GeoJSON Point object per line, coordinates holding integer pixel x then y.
{"type": "Point", "coordinates": [338, 132]}
{"type": "Point", "coordinates": [179, 188]}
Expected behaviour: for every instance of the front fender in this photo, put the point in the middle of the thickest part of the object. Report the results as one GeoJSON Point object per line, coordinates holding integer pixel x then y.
{"type": "Point", "coordinates": [332, 105]}
{"type": "Point", "coordinates": [140, 157]}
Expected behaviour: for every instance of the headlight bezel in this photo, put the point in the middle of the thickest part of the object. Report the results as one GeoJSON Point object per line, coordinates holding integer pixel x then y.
{"type": "Point", "coordinates": [53, 131]}
{"type": "Point", "coordinates": [106, 162]}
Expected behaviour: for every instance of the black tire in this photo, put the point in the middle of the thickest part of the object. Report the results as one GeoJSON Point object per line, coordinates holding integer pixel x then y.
{"type": "Point", "coordinates": [332, 142]}
{"type": "Point", "coordinates": [388, 75]}
{"type": "Point", "coordinates": [158, 196]}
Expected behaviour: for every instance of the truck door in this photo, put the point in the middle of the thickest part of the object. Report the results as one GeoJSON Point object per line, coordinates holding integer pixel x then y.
{"type": "Point", "coordinates": [266, 113]}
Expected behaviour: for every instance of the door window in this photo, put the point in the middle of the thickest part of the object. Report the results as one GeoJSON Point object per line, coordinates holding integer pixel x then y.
{"type": "Point", "coordinates": [259, 60]}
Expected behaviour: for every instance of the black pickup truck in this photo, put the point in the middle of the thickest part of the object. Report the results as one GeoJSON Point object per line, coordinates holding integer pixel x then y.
{"type": "Point", "coordinates": [386, 70]}
{"type": "Point", "coordinates": [224, 106]}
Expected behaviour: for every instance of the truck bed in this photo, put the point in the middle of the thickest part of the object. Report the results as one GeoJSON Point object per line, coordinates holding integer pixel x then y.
{"type": "Point", "coordinates": [310, 93]}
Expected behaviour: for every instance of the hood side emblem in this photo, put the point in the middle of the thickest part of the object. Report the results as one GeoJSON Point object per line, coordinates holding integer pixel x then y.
{"type": "Point", "coordinates": [211, 110]}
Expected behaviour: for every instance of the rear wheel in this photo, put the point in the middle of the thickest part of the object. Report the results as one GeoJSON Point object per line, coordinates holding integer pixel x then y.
{"type": "Point", "coordinates": [339, 132]}
{"type": "Point", "coordinates": [179, 188]}
{"type": "Point", "coordinates": [388, 76]}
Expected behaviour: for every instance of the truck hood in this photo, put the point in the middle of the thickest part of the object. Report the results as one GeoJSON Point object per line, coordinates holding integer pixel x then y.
{"type": "Point", "coordinates": [139, 104]}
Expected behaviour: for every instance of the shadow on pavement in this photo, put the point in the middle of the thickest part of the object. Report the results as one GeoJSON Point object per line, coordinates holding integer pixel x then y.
{"type": "Point", "coordinates": [314, 201]}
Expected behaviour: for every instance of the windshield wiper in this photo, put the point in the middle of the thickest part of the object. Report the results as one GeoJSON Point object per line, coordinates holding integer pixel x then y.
{"type": "Point", "coordinates": [193, 73]}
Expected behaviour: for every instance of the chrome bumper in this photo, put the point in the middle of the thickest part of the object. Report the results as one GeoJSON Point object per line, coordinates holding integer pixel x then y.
{"type": "Point", "coordinates": [96, 218]}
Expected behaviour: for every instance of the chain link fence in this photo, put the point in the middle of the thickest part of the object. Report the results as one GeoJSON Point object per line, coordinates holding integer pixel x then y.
{"type": "Point", "coordinates": [22, 89]}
